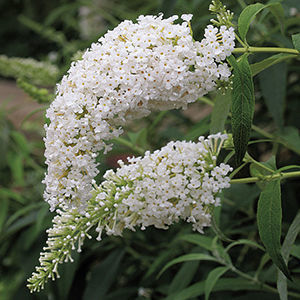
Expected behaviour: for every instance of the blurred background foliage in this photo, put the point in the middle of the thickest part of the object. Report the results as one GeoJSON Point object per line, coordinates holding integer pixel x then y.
{"type": "Point", "coordinates": [54, 33]}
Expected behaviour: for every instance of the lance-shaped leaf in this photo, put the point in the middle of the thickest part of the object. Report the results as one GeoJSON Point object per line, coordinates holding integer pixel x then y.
{"type": "Point", "coordinates": [212, 279]}
{"type": "Point", "coordinates": [200, 240]}
{"type": "Point", "coordinates": [249, 13]}
{"type": "Point", "coordinates": [269, 217]}
{"type": "Point", "coordinates": [220, 112]}
{"type": "Point", "coordinates": [183, 277]}
{"type": "Point", "coordinates": [270, 61]}
{"type": "Point", "coordinates": [286, 250]}
{"type": "Point", "coordinates": [296, 41]}
{"type": "Point", "coordinates": [187, 257]}
{"type": "Point", "coordinates": [103, 276]}
{"type": "Point", "coordinates": [242, 105]}
{"type": "Point", "coordinates": [223, 284]}
{"type": "Point", "coordinates": [247, 16]}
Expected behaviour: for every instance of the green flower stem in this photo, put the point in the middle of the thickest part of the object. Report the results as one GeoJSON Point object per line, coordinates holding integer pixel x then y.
{"type": "Point", "coordinates": [266, 178]}
{"type": "Point", "coordinates": [241, 42]}
{"type": "Point", "coordinates": [265, 49]}
{"type": "Point", "coordinates": [249, 159]}
{"type": "Point", "coordinates": [238, 169]}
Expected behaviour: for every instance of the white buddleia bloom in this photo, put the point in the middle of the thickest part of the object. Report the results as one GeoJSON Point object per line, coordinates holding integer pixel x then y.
{"type": "Point", "coordinates": [181, 181]}
{"type": "Point", "coordinates": [153, 64]}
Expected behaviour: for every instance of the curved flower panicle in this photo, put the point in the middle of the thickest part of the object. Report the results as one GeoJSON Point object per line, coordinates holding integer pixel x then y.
{"type": "Point", "coordinates": [153, 64]}
{"type": "Point", "coordinates": [178, 182]}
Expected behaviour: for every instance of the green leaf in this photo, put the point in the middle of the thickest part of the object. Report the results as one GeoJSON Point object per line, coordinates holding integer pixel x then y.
{"type": "Point", "coordinates": [249, 13]}
{"type": "Point", "coordinates": [67, 273]}
{"type": "Point", "coordinates": [220, 253]}
{"type": "Point", "coordinates": [38, 227]}
{"type": "Point", "coordinates": [8, 193]}
{"type": "Point", "coordinates": [223, 284]}
{"type": "Point", "coordinates": [273, 87]}
{"type": "Point", "coordinates": [20, 224]}
{"type": "Point", "coordinates": [264, 168]}
{"type": "Point", "coordinates": [102, 276]}
{"type": "Point", "coordinates": [269, 223]}
{"type": "Point", "coordinates": [15, 163]}
{"type": "Point", "coordinates": [24, 211]}
{"type": "Point", "coordinates": [3, 211]}
{"type": "Point", "coordinates": [183, 277]}
{"type": "Point", "coordinates": [278, 12]}
{"type": "Point", "coordinates": [242, 105]}
{"type": "Point", "coordinates": [220, 112]}
{"type": "Point", "coordinates": [295, 251]}
{"type": "Point", "coordinates": [286, 250]}
{"type": "Point", "coordinates": [163, 256]}
{"type": "Point", "coordinates": [270, 61]}
{"type": "Point", "coordinates": [200, 240]}
{"type": "Point", "coordinates": [212, 279]}
{"type": "Point", "coordinates": [21, 141]}
{"type": "Point", "coordinates": [187, 257]}
{"type": "Point", "coordinates": [244, 242]}
{"type": "Point", "coordinates": [260, 171]}
{"type": "Point", "coordinates": [247, 16]}
{"type": "Point", "coordinates": [218, 231]}
{"type": "Point", "coordinates": [296, 41]}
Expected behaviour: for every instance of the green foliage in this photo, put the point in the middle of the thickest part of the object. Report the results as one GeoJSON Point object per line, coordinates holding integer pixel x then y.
{"type": "Point", "coordinates": [183, 277]}
{"type": "Point", "coordinates": [250, 12]}
{"type": "Point", "coordinates": [99, 285]}
{"type": "Point", "coordinates": [187, 257]}
{"type": "Point", "coordinates": [269, 216]}
{"type": "Point", "coordinates": [247, 16]}
{"type": "Point", "coordinates": [270, 61]}
{"type": "Point", "coordinates": [23, 218]}
{"type": "Point", "coordinates": [296, 41]}
{"type": "Point", "coordinates": [220, 111]}
{"type": "Point", "coordinates": [286, 249]}
{"type": "Point", "coordinates": [242, 105]}
{"type": "Point", "coordinates": [212, 279]}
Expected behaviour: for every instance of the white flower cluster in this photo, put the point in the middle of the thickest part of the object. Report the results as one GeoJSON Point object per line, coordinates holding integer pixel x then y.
{"type": "Point", "coordinates": [153, 64]}
{"type": "Point", "coordinates": [179, 182]}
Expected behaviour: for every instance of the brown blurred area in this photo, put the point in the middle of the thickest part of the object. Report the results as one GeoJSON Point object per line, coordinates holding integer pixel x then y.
{"type": "Point", "coordinates": [18, 105]}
